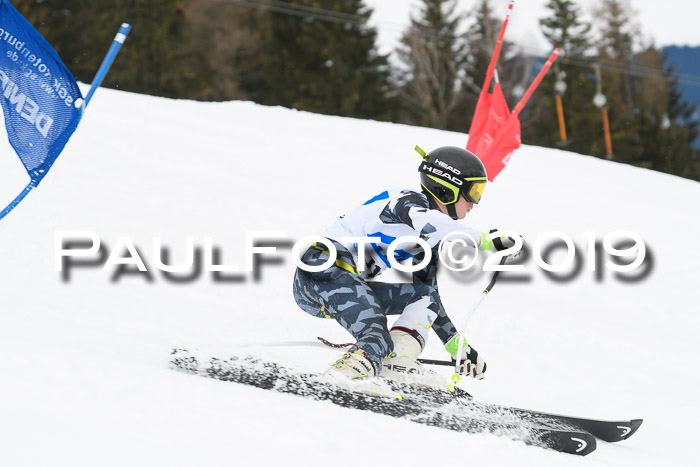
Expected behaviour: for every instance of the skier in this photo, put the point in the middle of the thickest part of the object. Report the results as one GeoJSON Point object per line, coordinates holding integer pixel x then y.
{"type": "Point", "coordinates": [452, 182]}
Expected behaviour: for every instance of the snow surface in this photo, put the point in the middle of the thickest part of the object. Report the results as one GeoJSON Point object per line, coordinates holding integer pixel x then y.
{"type": "Point", "coordinates": [83, 363]}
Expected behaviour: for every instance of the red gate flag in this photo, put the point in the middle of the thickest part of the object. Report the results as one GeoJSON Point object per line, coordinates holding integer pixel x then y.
{"type": "Point", "coordinates": [495, 131]}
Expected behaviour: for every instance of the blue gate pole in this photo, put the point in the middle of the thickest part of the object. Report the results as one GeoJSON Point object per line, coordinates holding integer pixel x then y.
{"type": "Point", "coordinates": [107, 62]}
{"type": "Point", "coordinates": [18, 199]}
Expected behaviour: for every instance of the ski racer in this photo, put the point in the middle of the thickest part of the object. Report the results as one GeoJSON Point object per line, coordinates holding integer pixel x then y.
{"type": "Point", "coordinates": [452, 182]}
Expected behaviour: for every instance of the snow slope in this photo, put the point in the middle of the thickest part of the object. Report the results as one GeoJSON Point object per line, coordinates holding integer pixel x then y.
{"type": "Point", "coordinates": [83, 362]}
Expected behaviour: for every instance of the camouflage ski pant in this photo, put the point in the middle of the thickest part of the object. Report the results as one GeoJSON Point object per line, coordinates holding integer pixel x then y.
{"type": "Point", "coordinates": [361, 307]}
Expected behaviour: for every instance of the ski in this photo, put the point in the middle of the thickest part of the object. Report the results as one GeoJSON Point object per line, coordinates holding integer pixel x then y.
{"type": "Point", "coordinates": [610, 431]}
{"type": "Point", "coordinates": [433, 407]}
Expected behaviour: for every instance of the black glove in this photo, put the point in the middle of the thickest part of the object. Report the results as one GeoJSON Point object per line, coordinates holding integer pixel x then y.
{"type": "Point", "coordinates": [470, 362]}
{"type": "Point", "coordinates": [503, 243]}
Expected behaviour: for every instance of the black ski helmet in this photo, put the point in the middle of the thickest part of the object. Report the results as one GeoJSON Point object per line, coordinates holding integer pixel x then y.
{"type": "Point", "coordinates": [449, 171]}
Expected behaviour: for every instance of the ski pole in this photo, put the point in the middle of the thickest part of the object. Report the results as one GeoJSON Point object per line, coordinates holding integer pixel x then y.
{"type": "Point", "coordinates": [326, 344]}
{"type": "Point", "coordinates": [456, 377]}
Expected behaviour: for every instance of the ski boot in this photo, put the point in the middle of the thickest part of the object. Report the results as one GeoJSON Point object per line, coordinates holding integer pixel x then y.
{"type": "Point", "coordinates": [355, 372]}
{"type": "Point", "coordinates": [402, 365]}
{"type": "Point", "coordinates": [353, 365]}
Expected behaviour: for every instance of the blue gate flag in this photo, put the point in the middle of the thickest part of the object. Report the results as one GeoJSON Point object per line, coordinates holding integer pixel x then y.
{"type": "Point", "coordinates": [39, 96]}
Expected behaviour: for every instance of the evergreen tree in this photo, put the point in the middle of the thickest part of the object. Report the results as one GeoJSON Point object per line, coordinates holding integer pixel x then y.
{"type": "Point", "coordinates": [481, 40]}
{"type": "Point", "coordinates": [62, 23]}
{"type": "Point", "coordinates": [665, 120]}
{"type": "Point", "coordinates": [651, 123]}
{"type": "Point", "coordinates": [563, 28]}
{"type": "Point", "coordinates": [325, 66]}
{"type": "Point", "coordinates": [229, 41]}
{"type": "Point", "coordinates": [617, 37]}
{"type": "Point", "coordinates": [158, 58]}
{"type": "Point", "coordinates": [432, 56]}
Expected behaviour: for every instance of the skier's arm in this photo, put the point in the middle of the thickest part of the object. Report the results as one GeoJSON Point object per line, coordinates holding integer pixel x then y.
{"type": "Point", "coordinates": [435, 226]}
{"type": "Point", "coordinates": [428, 274]}
{"type": "Point", "coordinates": [413, 210]}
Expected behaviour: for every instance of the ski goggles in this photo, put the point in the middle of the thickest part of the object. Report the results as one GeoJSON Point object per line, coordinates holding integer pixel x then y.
{"type": "Point", "coordinates": [472, 190]}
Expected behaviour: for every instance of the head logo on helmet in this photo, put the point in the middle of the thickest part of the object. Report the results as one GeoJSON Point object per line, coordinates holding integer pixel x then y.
{"type": "Point", "coordinates": [447, 166]}
{"type": "Point", "coordinates": [448, 172]}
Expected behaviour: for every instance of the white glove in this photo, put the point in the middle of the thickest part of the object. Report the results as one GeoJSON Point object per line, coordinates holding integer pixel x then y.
{"type": "Point", "coordinates": [470, 362]}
